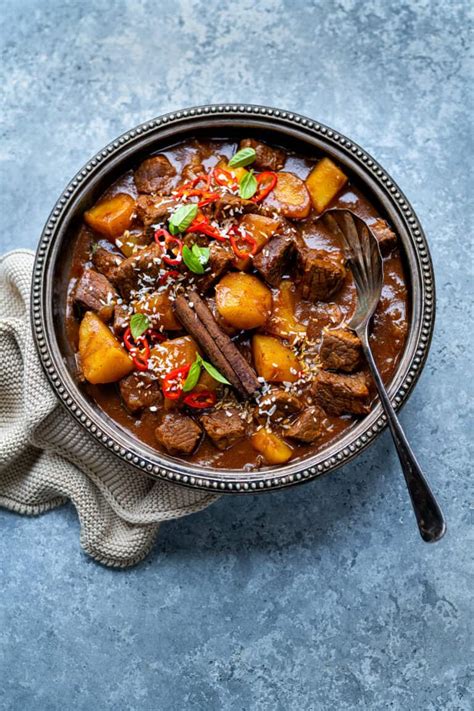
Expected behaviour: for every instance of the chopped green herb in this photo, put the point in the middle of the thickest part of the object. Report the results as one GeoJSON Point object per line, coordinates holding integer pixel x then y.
{"type": "Point", "coordinates": [193, 375]}
{"type": "Point", "coordinates": [242, 158]}
{"type": "Point", "coordinates": [182, 218]}
{"type": "Point", "coordinates": [138, 325]}
{"type": "Point", "coordinates": [214, 373]}
{"type": "Point", "coordinates": [196, 258]}
{"type": "Point", "coordinates": [248, 185]}
{"type": "Point", "coordinates": [195, 372]}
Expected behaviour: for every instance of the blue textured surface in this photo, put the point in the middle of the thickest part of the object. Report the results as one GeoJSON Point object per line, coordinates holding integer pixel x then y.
{"type": "Point", "coordinates": [322, 597]}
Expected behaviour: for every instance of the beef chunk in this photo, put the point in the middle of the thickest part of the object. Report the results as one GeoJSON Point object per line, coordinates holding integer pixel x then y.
{"type": "Point", "coordinates": [122, 316]}
{"type": "Point", "coordinates": [339, 394]}
{"type": "Point", "coordinates": [274, 258]}
{"type": "Point", "coordinates": [322, 273]}
{"type": "Point", "coordinates": [323, 315]}
{"type": "Point", "coordinates": [221, 257]}
{"type": "Point", "coordinates": [95, 293]}
{"type": "Point", "coordinates": [267, 157]}
{"type": "Point", "coordinates": [139, 390]}
{"type": "Point", "coordinates": [194, 168]}
{"type": "Point", "coordinates": [178, 433]}
{"type": "Point", "coordinates": [278, 403]}
{"type": "Point", "coordinates": [139, 269]}
{"type": "Point", "coordinates": [386, 237]}
{"type": "Point", "coordinates": [152, 209]}
{"type": "Point", "coordinates": [341, 349]}
{"type": "Point", "coordinates": [106, 262]}
{"type": "Point", "coordinates": [154, 175]}
{"type": "Point", "coordinates": [307, 427]}
{"type": "Point", "coordinates": [231, 205]}
{"type": "Point", "coordinates": [224, 427]}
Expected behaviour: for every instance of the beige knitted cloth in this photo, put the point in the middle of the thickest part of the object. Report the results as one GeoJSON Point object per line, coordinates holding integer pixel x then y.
{"type": "Point", "coordinates": [46, 458]}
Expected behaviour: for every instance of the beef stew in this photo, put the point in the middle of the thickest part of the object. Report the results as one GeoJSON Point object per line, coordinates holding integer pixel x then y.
{"type": "Point", "coordinates": [207, 304]}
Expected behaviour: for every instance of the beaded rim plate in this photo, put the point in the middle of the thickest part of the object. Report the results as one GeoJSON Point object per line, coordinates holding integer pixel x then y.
{"type": "Point", "coordinates": [283, 126]}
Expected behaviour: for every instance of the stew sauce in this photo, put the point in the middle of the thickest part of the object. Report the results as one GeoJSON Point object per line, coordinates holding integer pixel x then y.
{"type": "Point", "coordinates": [122, 230]}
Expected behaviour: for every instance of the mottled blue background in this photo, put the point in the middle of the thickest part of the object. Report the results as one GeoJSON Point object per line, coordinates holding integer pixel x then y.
{"type": "Point", "coordinates": [321, 597]}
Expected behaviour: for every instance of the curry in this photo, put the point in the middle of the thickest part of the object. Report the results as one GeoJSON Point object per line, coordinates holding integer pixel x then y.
{"type": "Point", "coordinates": [208, 304]}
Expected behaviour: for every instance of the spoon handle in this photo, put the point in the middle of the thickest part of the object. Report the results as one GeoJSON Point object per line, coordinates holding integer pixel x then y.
{"type": "Point", "coordinates": [429, 517]}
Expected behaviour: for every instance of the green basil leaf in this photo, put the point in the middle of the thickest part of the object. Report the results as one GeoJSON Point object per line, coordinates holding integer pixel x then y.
{"type": "Point", "coordinates": [192, 262]}
{"type": "Point", "coordinates": [193, 376]}
{"type": "Point", "coordinates": [242, 158]}
{"type": "Point", "coordinates": [139, 323]}
{"type": "Point", "coordinates": [248, 185]}
{"type": "Point", "coordinates": [182, 218]}
{"type": "Point", "coordinates": [202, 253]}
{"type": "Point", "coordinates": [214, 373]}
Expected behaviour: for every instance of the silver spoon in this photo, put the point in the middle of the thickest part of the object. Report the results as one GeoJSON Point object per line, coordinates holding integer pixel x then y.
{"type": "Point", "coordinates": [366, 264]}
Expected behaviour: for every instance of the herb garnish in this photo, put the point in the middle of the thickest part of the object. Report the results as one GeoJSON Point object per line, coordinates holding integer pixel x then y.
{"type": "Point", "coordinates": [242, 158]}
{"type": "Point", "coordinates": [182, 218]}
{"type": "Point", "coordinates": [248, 185]}
{"type": "Point", "coordinates": [195, 372]}
{"type": "Point", "coordinates": [139, 323]}
{"type": "Point", "coordinates": [196, 258]}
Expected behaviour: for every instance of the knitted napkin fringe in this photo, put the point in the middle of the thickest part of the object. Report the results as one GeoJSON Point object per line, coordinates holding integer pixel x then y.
{"type": "Point", "coordinates": [47, 458]}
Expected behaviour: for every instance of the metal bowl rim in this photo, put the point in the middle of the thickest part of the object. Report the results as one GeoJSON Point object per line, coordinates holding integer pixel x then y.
{"type": "Point", "coordinates": [126, 447]}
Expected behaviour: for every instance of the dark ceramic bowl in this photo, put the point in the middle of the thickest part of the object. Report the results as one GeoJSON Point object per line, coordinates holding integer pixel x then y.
{"type": "Point", "coordinates": [54, 255]}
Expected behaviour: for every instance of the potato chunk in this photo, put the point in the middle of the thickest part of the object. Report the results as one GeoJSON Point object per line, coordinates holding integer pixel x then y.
{"type": "Point", "coordinates": [171, 354]}
{"type": "Point", "coordinates": [102, 357]}
{"type": "Point", "coordinates": [274, 449]}
{"type": "Point", "coordinates": [283, 321]}
{"type": "Point", "coordinates": [274, 361]}
{"type": "Point", "coordinates": [111, 217]}
{"type": "Point", "coordinates": [324, 183]}
{"type": "Point", "coordinates": [243, 301]}
{"type": "Point", "coordinates": [290, 197]}
{"type": "Point", "coordinates": [159, 309]}
{"type": "Point", "coordinates": [259, 227]}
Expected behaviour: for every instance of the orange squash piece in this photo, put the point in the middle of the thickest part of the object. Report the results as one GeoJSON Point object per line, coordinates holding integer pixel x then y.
{"type": "Point", "coordinates": [274, 449]}
{"type": "Point", "coordinates": [102, 357]}
{"type": "Point", "coordinates": [273, 360]}
{"type": "Point", "coordinates": [173, 353]}
{"type": "Point", "coordinates": [324, 182]}
{"type": "Point", "coordinates": [243, 300]}
{"type": "Point", "coordinates": [112, 216]}
{"type": "Point", "coordinates": [159, 309]}
{"type": "Point", "coordinates": [290, 197]}
{"type": "Point", "coordinates": [282, 321]}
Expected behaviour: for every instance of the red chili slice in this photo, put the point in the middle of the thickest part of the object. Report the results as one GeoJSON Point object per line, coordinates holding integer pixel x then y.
{"type": "Point", "coordinates": [223, 177]}
{"type": "Point", "coordinates": [174, 380]}
{"type": "Point", "coordinates": [166, 242]}
{"type": "Point", "coordinates": [170, 274]}
{"type": "Point", "coordinates": [271, 177]}
{"type": "Point", "coordinates": [201, 400]}
{"type": "Point", "coordinates": [201, 224]}
{"type": "Point", "coordinates": [235, 236]}
{"type": "Point", "coordinates": [139, 357]}
{"type": "Point", "coordinates": [208, 198]}
{"type": "Point", "coordinates": [190, 188]}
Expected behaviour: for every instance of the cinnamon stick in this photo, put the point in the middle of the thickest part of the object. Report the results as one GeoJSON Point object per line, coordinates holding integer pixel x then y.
{"type": "Point", "coordinates": [243, 370]}
{"type": "Point", "coordinates": [194, 326]}
{"type": "Point", "coordinates": [221, 351]}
